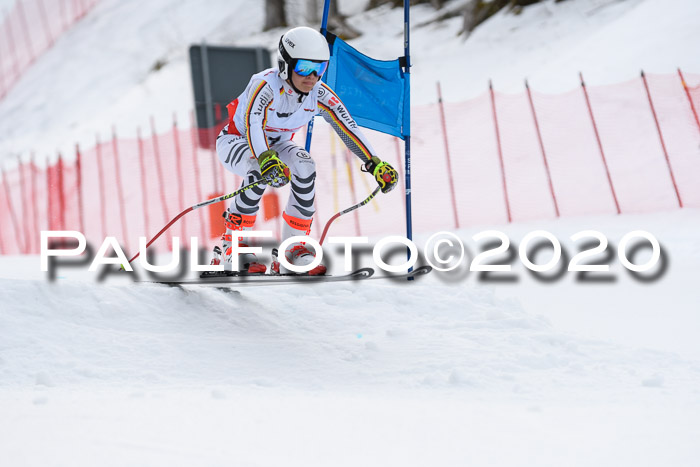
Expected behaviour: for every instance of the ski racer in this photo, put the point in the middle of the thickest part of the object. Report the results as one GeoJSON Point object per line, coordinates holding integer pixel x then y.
{"type": "Point", "coordinates": [257, 144]}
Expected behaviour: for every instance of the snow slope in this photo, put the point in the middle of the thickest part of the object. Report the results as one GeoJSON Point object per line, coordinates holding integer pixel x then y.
{"type": "Point", "coordinates": [446, 371]}
{"type": "Point", "coordinates": [449, 370]}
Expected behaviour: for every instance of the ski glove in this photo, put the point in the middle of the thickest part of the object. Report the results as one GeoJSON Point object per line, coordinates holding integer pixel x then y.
{"type": "Point", "coordinates": [385, 175]}
{"type": "Point", "coordinates": [273, 170]}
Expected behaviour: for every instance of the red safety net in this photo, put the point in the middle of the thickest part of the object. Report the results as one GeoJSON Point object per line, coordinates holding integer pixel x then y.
{"type": "Point", "coordinates": [513, 158]}
{"type": "Point", "coordinates": [632, 147]}
{"type": "Point", "coordinates": [680, 130]}
{"type": "Point", "coordinates": [29, 29]}
{"type": "Point", "coordinates": [577, 168]}
{"type": "Point", "coordinates": [476, 167]}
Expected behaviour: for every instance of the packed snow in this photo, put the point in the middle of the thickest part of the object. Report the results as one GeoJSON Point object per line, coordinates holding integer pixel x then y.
{"type": "Point", "coordinates": [449, 369]}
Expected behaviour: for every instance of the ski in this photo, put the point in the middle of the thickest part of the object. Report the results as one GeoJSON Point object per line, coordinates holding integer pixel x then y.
{"type": "Point", "coordinates": [239, 278]}
{"type": "Point", "coordinates": [232, 278]}
{"type": "Point", "coordinates": [421, 271]}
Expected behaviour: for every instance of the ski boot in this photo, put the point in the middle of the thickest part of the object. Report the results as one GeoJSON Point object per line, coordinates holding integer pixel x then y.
{"type": "Point", "coordinates": [275, 265]}
{"type": "Point", "coordinates": [247, 262]}
{"type": "Point", "coordinates": [216, 257]}
{"type": "Point", "coordinates": [298, 255]}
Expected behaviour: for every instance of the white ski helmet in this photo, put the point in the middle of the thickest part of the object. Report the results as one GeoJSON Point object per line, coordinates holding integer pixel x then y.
{"type": "Point", "coordinates": [300, 43]}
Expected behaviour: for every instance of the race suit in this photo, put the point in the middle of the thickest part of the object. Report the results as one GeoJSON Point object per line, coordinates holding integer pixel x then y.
{"type": "Point", "coordinates": [266, 116]}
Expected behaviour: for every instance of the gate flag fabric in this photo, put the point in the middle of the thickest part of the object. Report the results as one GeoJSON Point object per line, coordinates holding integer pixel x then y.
{"type": "Point", "coordinates": [374, 91]}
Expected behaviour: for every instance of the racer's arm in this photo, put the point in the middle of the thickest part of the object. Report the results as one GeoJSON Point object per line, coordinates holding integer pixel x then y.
{"type": "Point", "coordinates": [255, 116]}
{"type": "Point", "coordinates": [337, 115]}
{"type": "Point", "coordinates": [273, 170]}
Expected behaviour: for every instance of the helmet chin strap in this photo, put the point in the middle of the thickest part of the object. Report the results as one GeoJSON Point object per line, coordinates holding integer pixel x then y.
{"type": "Point", "coordinates": [301, 94]}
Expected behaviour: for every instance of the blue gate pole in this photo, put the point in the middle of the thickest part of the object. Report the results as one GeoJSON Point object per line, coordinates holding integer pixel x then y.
{"type": "Point", "coordinates": [324, 25]}
{"type": "Point", "coordinates": [407, 124]}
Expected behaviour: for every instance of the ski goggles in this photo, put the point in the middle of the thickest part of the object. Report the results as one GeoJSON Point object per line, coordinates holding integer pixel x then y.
{"type": "Point", "coordinates": [306, 67]}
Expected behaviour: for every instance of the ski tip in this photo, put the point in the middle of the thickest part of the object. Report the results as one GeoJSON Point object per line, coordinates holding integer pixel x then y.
{"type": "Point", "coordinates": [421, 271]}
{"type": "Point", "coordinates": [363, 273]}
